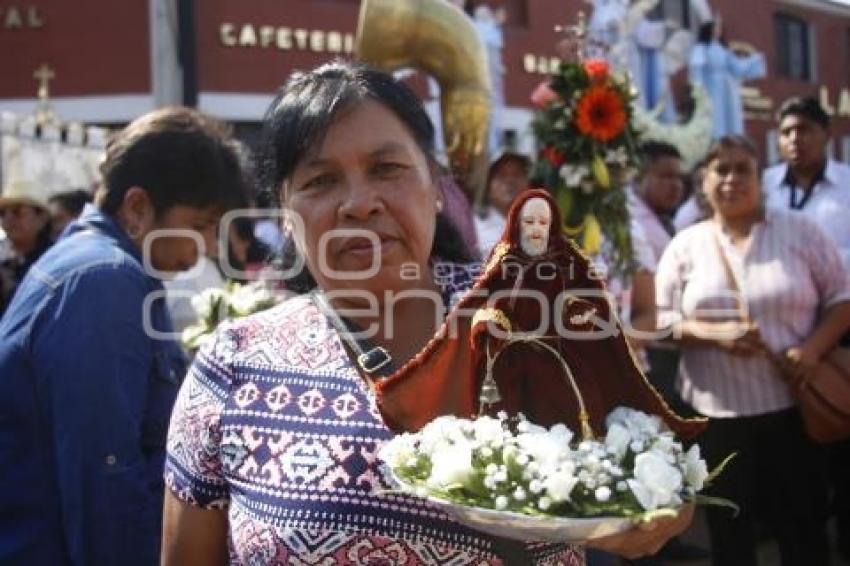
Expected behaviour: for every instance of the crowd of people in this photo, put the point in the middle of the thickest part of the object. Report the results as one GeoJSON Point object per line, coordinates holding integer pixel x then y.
{"type": "Point", "coordinates": [263, 451]}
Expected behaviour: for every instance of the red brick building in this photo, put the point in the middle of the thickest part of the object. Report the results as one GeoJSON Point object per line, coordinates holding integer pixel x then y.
{"type": "Point", "coordinates": [115, 60]}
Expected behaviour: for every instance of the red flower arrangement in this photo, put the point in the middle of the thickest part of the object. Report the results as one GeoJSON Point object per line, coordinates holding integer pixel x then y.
{"type": "Point", "coordinates": [585, 115]}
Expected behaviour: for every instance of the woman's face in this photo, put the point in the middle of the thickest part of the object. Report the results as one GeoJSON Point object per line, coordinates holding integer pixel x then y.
{"type": "Point", "coordinates": [732, 184]}
{"type": "Point", "coordinates": [22, 223]}
{"type": "Point", "coordinates": [367, 203]}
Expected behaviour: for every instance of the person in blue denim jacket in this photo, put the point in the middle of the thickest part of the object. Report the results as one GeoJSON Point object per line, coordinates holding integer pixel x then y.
{"type": "Point", "coordinates": [88, 370]}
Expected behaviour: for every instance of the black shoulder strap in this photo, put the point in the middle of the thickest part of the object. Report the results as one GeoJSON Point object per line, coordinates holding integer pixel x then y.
{"type": "Point", "coordinates": [374, 361]}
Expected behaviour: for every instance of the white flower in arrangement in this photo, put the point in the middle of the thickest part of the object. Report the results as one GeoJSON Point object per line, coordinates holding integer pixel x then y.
{"type": "Point", "coordinates": [214, 305]}
{"type": "Point", "coordinates": [546, 450]}
{"type": "Point", "coordinates": [560, 484]}
{"type": "Point", "coordinates": [488, 431]}
{"type": "Point", "coordinates": [245, 298]}
{"type": "Point", "coordinates": [636, 421]}
{"type": "Point", "coordinates": [656, 481]}
{"type": "Point", "coordinates": [574, 174]}
{"type": "Point", "coordinates": [401, 450]}
{"type": "Point", "coordinates": [452, 465]}
{"type": "Point", "coordinates": [511, 464]}
{"type": "Point", "coordinates": [207, 301]}
{"type": "Point", "coordinates": [617, 156]}
{"type": "Point", "coordinates": [696, 470]}
{"type": "Point", "coordinates": [617, 440]}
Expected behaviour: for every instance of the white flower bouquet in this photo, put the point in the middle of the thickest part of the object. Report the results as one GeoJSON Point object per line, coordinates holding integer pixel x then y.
{"type": "Point", "coordinates": [214, 305]}
{"type": "Point", "coordinates": [512, 478]}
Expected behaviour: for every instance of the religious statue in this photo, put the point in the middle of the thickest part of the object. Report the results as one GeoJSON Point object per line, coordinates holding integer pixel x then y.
{"type": "Point", "coordinates": [536, 334]}
{"type": "Point", "coordinates": [720, 70]}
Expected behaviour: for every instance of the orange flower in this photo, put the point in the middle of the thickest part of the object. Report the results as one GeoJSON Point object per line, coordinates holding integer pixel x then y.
{"type": "Point", "coordinates": [600, 114]}
{"type": "Point", "coordinates": [596, 69]}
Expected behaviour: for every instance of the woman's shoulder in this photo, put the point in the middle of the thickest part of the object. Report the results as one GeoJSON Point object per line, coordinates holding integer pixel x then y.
{"type": "Point", "coordinates": [698, 232]}
{"type": "Point", "coordinates": [293, 336]}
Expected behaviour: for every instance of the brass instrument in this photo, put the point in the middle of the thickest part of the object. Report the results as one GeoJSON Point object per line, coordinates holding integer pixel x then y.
{"type": "Point", "coordinates": [436, 37]}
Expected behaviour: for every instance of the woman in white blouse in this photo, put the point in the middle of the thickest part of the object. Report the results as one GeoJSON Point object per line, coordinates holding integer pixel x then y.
{"type": "Point", "coordinates": [786, 301]}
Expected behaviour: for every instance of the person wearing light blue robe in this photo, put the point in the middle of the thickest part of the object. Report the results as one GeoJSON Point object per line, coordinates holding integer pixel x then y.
{"type": "Point", "coordinates": [720, 71]}
{"type": "Point", "coordinates": [488, 24]}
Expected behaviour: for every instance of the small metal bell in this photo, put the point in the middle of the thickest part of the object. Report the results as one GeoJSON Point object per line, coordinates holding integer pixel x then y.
{"type": "Point", "coordinates": [489, 391]}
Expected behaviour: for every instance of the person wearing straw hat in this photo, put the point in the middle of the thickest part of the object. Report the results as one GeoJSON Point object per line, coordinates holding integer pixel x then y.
{"type": "Point", "coordinates": [25, 220]}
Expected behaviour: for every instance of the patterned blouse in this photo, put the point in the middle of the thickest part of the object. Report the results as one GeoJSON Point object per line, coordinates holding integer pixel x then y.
{"type": "Point", "coordinates": [274, 424]}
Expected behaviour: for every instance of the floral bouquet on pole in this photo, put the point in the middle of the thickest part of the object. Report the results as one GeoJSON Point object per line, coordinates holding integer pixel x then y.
{"type": "Point", "coordinates": [214, 305]}
{"type": "Point", "coordinates": [514, 479]}
{"type": "Point", "coordinates": [588, 152]}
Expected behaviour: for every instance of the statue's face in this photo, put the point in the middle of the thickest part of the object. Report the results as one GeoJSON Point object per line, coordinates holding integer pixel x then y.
{"type": "Point", "coordinates": [535, 218]}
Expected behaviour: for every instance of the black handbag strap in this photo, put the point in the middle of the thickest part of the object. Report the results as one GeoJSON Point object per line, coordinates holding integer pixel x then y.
{"type": "Point", "coordinates": [373, 361]}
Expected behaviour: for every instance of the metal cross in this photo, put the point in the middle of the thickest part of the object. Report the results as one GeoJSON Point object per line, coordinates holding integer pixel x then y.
{"type": "Point", "coordinates": [44, 74]}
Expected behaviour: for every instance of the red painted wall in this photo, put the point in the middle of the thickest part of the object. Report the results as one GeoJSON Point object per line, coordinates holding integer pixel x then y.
{"type": "Point", "coordinates": [95, 47]}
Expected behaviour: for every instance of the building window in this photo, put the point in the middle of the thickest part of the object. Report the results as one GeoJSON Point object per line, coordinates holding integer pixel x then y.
{"type": "Point", "coordinates": [793, 47]}
{"type": "Point", "coordinates": [845, 145]}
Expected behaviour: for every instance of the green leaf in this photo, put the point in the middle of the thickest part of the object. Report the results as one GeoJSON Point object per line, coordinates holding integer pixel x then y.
{"type": "Point", "coordinates": [719, 468]}
{"type": "Point", "coordinates": [701, 499]}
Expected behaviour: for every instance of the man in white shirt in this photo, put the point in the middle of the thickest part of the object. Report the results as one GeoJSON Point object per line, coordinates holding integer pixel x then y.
{"type": "Point", "coordinates": [657, 193]}
{"type": "Point", "coordinates": [808, 180]}
{"type": "Point", "coordinates": [819, 187]}
{"type": "Point", "coordinates": [652, 201]}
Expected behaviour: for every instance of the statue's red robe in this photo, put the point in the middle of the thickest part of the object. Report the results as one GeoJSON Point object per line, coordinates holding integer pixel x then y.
{"type": "Point", "coordinates": [446, 376]}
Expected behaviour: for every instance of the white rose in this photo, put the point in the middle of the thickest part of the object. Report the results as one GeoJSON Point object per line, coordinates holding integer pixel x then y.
{"type": "Point", "coordinates": [488, 430]}
{"type": "Point", "coordinates": [617, 440]}
{"type": "Point", "coordinates": [206, 301]}
{"type": "Point", "coordinates": [439, 434]}
{"type": "Point", "coordinates": [696, 470]}
{"type": "Point", "coordinates": [561, 432]}
{"type": "Point", "coordinates": [245, 299]}
{"type": "Point", "coordinates": [560, 484]}
{"type": "Point", "coordinates": [544, 448]}
{"type": "Point", "coordinates": [635, 421]}
{"type": "Point", "coordinates": [398, 451]}
{"type": "Point", "coordinates": [656, 483]}
{"type": "Point", "coordinates": [665, 442]}
{"type": "Point", "coordinates": [452, 465]}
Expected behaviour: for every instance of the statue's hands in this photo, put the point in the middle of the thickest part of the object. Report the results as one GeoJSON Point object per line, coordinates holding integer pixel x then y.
{"type": "Point", "coordinates": [466, 117]}
{"type": "Point", "coordinates": [646, 538]}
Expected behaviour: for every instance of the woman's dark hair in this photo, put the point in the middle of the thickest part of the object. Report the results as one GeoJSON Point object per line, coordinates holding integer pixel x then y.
{"type": "Point", "coordinates": [178, 156]}
{"type": "Point", "coordinates": [307, 105]}
{"type": "Point", "coordinates": [299, 118]}
{"type": "Point", "coordinates": [731, 142]}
